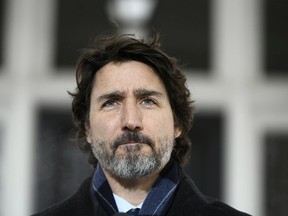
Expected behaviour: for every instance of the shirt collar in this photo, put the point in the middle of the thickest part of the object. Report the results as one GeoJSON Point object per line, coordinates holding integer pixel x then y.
{"type": "Point", "coordinates": [123, 205]}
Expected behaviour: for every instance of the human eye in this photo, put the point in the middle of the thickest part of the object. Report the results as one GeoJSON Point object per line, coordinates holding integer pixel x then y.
{"type": "Point", "coordinates": [109, 103]}
{"type": "Point", "coordinates": [149, 102]}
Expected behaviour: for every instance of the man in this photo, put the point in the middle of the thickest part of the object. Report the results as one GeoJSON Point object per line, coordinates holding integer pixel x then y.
{"type": "Point", "coordinates": [133, 111]}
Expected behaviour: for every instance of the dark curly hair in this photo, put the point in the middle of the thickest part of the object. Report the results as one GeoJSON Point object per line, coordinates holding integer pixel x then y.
{"type": "Point", "coordinates": [115, 47]}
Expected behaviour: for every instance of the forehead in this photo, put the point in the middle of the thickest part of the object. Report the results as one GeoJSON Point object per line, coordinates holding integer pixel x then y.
{"type": "Point", "coordinates": [127, 75]}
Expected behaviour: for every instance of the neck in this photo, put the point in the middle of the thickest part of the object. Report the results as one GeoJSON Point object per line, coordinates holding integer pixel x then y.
{"type": "Point", "coordinates": [133, 191]}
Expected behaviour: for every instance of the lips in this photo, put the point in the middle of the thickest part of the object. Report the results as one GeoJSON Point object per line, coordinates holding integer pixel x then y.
{"type": "Point", "coordinates": [131, 144]}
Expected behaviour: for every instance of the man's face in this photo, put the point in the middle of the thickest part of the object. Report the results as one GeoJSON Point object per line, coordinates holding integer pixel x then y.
{"type": "Point", "coordinates": [131, 127]}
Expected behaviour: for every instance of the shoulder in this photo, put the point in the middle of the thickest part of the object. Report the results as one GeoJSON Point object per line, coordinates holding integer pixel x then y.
{"type": "Point", "coordinates": [189, 200]}
{"type": "Point", "coordinates": [62, 208]}
{"type": "Point", "coordinates": [78, 204]}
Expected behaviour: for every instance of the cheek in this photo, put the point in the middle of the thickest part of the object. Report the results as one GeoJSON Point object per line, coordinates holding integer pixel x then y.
{"type": "Point", "coordinates": [161, 125]}
{"type": "Point", "coordinates": [103, 128]}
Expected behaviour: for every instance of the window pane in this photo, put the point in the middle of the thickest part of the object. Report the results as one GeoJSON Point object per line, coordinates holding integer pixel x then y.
{"type": "Point", "coordinates": [78, 21]}
{"type": "Point", "coordinates": [205, 163]}
{"type": "Point", "coordinates": [275, 37]}
{"type": "Point", "coordinates": [60, 166]}
{"type": "Point", "coordinates": [276, 185]}
{"type": "Point", "coordinates": [185, 33]}
{"type": "Point", "coordinates": [185, 30]}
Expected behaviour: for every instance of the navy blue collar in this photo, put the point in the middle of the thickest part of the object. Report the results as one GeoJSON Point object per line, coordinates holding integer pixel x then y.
{"type": "Point", "coordinates": [157, 200]}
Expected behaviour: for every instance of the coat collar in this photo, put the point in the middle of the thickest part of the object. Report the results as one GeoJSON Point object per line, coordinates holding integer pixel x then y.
{"type": "Point", "coordinates": [157, 200]}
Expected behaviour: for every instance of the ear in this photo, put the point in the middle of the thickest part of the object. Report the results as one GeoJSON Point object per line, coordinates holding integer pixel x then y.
{"type": "Point", "coordinates": [177, 132]}
{"type": "Point", "coordinates": [88, 132]}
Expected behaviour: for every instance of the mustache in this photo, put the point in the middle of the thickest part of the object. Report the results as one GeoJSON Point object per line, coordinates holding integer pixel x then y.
{"type": "Point", "coordinates": [131, 136]}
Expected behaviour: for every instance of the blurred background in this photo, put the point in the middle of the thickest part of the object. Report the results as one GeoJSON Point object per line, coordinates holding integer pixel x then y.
{"type": "Point", "coordinates": [235, 56]}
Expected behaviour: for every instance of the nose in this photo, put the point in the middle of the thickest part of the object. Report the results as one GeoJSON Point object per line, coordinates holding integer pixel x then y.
{"type": "Point", "coordinates": [131, 117]}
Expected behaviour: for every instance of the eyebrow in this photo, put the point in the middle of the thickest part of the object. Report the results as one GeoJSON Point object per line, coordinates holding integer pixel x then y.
{"type": "Point", "coordinates": [141, 92]}
{"type": "Point", "coordinates": [146, 92]}
{"type": "Point", "coordinates": [113, 94]}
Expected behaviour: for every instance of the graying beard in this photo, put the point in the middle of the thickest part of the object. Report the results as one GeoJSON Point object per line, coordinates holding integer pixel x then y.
{"type": "Point", "coordinates": [133, 165]}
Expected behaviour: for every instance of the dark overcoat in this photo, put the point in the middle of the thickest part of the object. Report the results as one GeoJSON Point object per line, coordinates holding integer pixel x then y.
{"type": "Point", "coordinates": [188, 201]}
